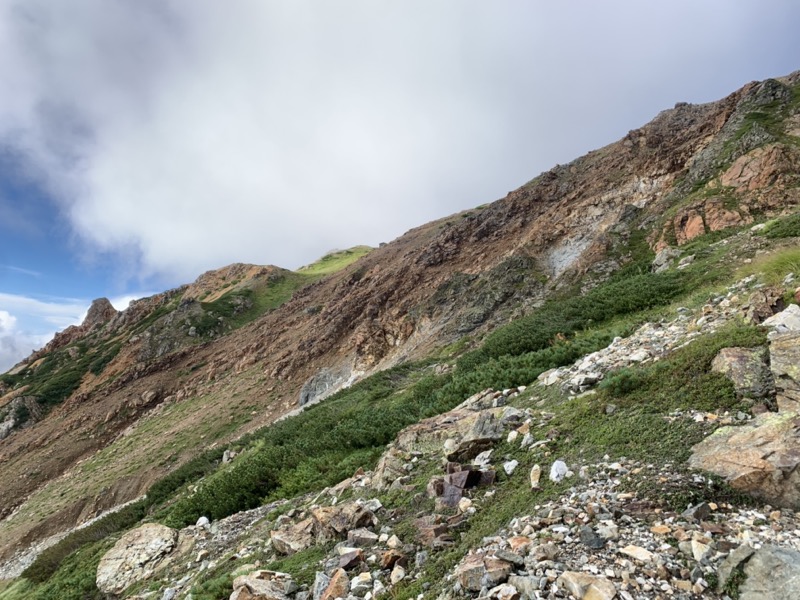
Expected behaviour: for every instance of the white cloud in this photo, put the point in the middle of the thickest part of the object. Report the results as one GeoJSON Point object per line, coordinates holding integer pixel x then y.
{"type": "Point", "coordinates": [182, 135]}
{"type": "Point", "coordinates": [14, 344]}
{"type": "Point", "coordinates": [58, 312]}
{"type": "Point", "coordinates": [27, 324]}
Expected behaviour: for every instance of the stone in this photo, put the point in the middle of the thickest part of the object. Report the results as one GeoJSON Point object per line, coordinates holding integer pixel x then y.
{"type": "Point", "coordinates": [637, 552]}
{"type": "Point", "coordinates": [590, 539]}
{"type": "Point", "coordinates": [747, 369]}
{"type": "Point", "coordinates": [510, 466]}
{"type": "Point", "coordinates": [477, 570]}
{"type": "Point", "coordinates": [757, 169]}
{"type": "Point", "coordinates": [587, 587]}
{"type": "Point", "coordinates": [535, 476]}
{"type": "Point", "coordinates": [759, 457]}
{"type": "Point", "coordinates": [361, 584]}
{"type": "Point", "coordinates": [660, 529]}
{"type": "Point", "coordinates": [688, 225]}
{"type": "Point", "coordinates": [504, 591]}
{"type": "Point", "coordinates": [397, 575]}
{"type": "Point", "coordinates": [431, 529]}
{"type": "Point", "coordinates": [764, 303]}
{"type": "Point", "coordinates": [700, 548]}
{"type": "Point", "coordinates": [263, 585]}
{"type": "Point", "coordinates": [331, 522]}
{"type": "Point", "coordinates": [697, 512]}
{"type": "Point", "coordinates": [293, 537]}
{"type": "Point", "coordinates": [719, 217]}
{"type": "Point", "coordinates": [470, 573]}
{"type": "Point", "coordinates": [169, 594]}
{"type": "Point", "coordinates": [527, 585]}
{"type": "Point", "coordinates": [784, 356]}
{"type": "Point", "coordinates": [519, 542]}
{"type": "Point", "coordinates": [321, 582]}
{"type": "Point", "coordinates": [733, 560]}
{"type": "Point", "coordinates": [558, 471]}
{"type": "Point", "coordinates": [100, 312]}
{"type": "Point", "coordinates": [608, 529]}
{"type": "Point", "coordinates": [351, 560]}
{"type": "Point", "coordinates": [392, 557]}
{"type": "Point", "coordinates": [510, 557]}
{"type": "Point", "coordinates": [497, 570]}
{"type": "Point", "coordinates": [786, 320]}
{"type": "Point", "coordinates": [338, 586]}
{"type": "Point", "coordinates": [362, 537]}
{"type": "Point", "coordinates": [772, 573]}
{"type": "Point", "coordinates": [664, 258]}
{"type": "Point", "coordinates": [135, 557]}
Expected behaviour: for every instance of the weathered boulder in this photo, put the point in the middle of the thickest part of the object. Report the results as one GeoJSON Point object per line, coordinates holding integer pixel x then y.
{"type": "Point", "coordinates": [293, 537]}
{"type": "Point", "coordinates": [772, 573]}
{"type": "Point", "coordinates": [331, 522]}
{"type": "Point", "coordinates": [759, 458]}
{"type": "Point", "coordinates": [477, 570]}
{"type": "Point", "coordinates": [747, 369]}
{"type": "Point", "coordinates": [786, 320]}
{"type": "Point", "coordinates": [263, 585]}
{"type": "Point", "coordinates": [338, 587]}
{"type": "Point", "coordinates": [784, 353]}
{"type": "Point", "coordinates": [587, 587]}
{"type": "Point", "coordinates": [134, 557]}
{"type": "Point", "coordinates": [433, 531]}
{"type": "Point", "coordinates": [664, 259]}
{"type": "Point", "coordinates": [481, 436]}
{"type": "Point", "coordinates": [463, 433]}
{"type": "Point", "coordinates": [764, 303]}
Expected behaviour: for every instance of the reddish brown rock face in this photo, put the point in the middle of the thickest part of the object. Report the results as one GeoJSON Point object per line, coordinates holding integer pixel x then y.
{"type": "Point", "coordinates": [688, 226]}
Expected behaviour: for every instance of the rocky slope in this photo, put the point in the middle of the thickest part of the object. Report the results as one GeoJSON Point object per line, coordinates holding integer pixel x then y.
{"type": "Point", "coordinates": [589, 529]}
{"type": "Point", "coordinates": [113, 406]}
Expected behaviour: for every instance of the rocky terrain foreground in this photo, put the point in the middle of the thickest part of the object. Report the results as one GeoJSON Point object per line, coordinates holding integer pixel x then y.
{"type": "Point", "coordinates": [586, 389]}
{"type": "Point", "coordinates": [596, 537]}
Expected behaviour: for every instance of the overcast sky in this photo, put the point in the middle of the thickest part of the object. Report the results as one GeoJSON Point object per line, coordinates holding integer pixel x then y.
{"type": "Point", "coordinates": [143, 142]}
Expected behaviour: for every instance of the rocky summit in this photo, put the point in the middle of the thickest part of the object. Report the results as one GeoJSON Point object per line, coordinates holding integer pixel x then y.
{"type": "Point", "coordinates": [586, 389]}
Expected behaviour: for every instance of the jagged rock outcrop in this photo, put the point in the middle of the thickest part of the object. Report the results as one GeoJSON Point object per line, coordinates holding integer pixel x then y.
{"type": "Point", "coordinates": [135, 557]}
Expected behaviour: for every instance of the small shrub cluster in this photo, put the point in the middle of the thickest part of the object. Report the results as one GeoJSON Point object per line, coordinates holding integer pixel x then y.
{"type": "Point", "coordinates": [684, 379]}
{"type": "Point", "coordinates": [784, 228]}
{"type": "Point", "coordinates": [562, 317]}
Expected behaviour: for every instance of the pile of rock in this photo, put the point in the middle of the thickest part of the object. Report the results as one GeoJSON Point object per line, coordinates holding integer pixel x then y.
{"type": "Point", "coordinates": [761, 457]}
{"type": "Point", "coordinates": [653, 341]}
{"type": "Point", "coordinates": [598, 543]}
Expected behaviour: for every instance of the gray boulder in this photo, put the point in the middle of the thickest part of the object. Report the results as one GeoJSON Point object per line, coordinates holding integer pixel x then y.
{"type": "Point", "coordinates": [772, 573]}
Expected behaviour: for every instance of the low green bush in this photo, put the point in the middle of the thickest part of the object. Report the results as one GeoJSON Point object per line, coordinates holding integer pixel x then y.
{"type": "Point", "coordinates": [784, 228]}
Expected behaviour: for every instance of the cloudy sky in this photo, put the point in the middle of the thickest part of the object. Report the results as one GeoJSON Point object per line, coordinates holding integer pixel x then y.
{"type": "Point", "coordinates": [145, 141]}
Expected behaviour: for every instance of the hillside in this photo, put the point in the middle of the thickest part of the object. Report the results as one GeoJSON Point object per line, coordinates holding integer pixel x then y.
{"type": "Point", "coordinates": [596, 299]}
